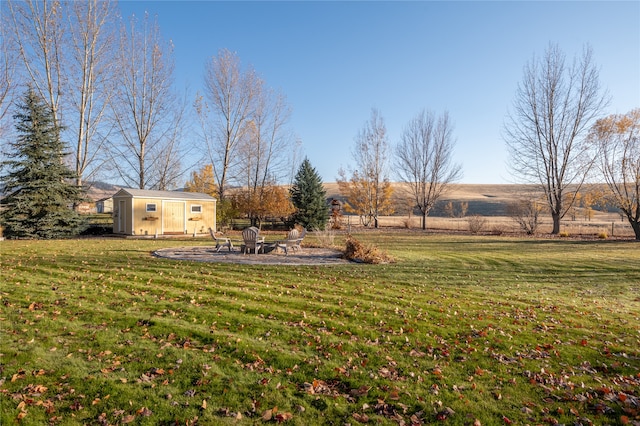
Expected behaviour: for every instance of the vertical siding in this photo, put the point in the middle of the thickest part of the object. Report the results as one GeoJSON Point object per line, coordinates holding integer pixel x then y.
{"type": "Point", "coordinates": [201, 222]}
{"type": "Point", "coordinates": [141, 224]}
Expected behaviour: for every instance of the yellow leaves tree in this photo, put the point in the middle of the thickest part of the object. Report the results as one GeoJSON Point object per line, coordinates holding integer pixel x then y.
{"type": "Point", "coordinates": [368, 191]}
{"type": "Point", "coordinates": [203, 181]}
{"type": "Point", "coordinates": [365, 197]}
{"type": "Point", "coordinates": [617, 138]}
{"type": "Point", "coordinates": [267, 201]}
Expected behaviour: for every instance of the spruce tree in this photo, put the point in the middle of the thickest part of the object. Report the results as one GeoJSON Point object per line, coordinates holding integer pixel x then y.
{"type": "Point", "coordinates": [38, 185]}
{"type": "Point", "coordinates": [309, 198]}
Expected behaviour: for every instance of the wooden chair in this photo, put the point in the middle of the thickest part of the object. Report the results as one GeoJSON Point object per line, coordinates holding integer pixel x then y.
{"type": "Point", "coordinates": [252, 240]}
{"type": "Point", "coordinates": [293, 241]}
{"type": "Point", "coordinates": [221, 242]}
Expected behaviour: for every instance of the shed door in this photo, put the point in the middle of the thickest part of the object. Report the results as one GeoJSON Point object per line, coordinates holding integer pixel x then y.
{"type": "Point", "coordinates": [122, 216]}
{"type": "Point", "coordinates": [173, 217]}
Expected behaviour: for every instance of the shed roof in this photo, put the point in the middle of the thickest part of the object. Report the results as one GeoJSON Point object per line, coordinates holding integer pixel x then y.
{"type": "Point", "coordinates": [175, 195]}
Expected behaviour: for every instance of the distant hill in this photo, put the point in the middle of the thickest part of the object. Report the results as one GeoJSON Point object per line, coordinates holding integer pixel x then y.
{"type": "Point", "coordinates": [100, 190]}
{"type": "Point", "coordinates": [483, 199]}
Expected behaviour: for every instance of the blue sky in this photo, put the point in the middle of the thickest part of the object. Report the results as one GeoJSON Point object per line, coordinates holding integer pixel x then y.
{"type": "Point", "coordinates": [335, 61]}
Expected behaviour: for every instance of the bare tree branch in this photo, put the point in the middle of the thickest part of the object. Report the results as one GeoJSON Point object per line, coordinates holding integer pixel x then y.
{"type": "Point", "coordinates": [147, 116]}
{"type": "Point", "coordinates": [225, 111]}
{"type": "Point", "coordinates": [424, 160]}
{"type": "Point", "coordinates": [545, 133]}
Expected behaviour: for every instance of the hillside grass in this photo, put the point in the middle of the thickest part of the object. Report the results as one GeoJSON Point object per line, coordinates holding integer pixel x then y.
{"type": "Point", "coordinates": [462, 329]}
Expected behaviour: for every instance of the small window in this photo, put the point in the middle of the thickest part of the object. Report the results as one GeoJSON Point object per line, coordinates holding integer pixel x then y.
{"type": "Point", "coordinates": [196, 208]}
{"type": "Point", "coordinates": [151, 207]}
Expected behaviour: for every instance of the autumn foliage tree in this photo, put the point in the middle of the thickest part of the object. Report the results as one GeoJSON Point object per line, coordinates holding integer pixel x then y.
{"type": "Point", "coordinates": [368, 190]}
{"type": "Point", "coordinates": [268, 201]}
{"type": "Point", "coordinates": [618, 139]}
{"type": "Point", "coordinates": [202, 181]}
{"type": "Point", "coordinates": [361, 194]}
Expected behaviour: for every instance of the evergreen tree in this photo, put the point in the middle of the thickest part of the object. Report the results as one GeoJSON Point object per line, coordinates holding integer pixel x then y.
{"type": "Point", "coordinates": [39, 188]}
{"type": "Point", "coordinates": [309, 198]}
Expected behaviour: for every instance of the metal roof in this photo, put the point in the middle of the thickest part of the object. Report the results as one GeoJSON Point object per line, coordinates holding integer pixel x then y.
{"type": "Point", "coordinates": [179, 195]}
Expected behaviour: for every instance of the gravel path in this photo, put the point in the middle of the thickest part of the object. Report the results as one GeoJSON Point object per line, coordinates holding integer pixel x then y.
{"type": "Point", "coordinates": [307, 256]}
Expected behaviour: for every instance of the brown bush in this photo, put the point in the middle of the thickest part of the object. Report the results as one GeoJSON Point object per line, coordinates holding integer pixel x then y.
{"type": "Point", "coordinates": [358, 252]}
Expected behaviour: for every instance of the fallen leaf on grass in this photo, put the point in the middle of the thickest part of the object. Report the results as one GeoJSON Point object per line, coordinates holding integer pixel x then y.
{"type": "Point", "coordinates": [416, 353]}
{"type": "Point", "coordinates": [361, 391]}
{"type": "Point", "coordinates": [268, 414]}
{"type": "Point", "coordinates": [362, 418]}
{"type": "Point", "coordinates": [19, 375]}
{"type": "Point", "coordinates": [144, 412]}
{"type": "Point", "coordinates": [283, 417]}
{"type": "Point", "coordinates": [128, 418]}
{"type": "Point", "coordinates": [445, 414]}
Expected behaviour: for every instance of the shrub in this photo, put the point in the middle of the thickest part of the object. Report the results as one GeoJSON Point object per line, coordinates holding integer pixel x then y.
{"type": "Point", "coordinates": [325, 237]}
{"type": "Point", "coordinates": [476, 223]}
{"type": "Point", "coordinates": [564, 234]}
{"type": "Point", "coordinates": [498, 229]}
{"type": "Point", "coordinates": [603, 235]}
{"type": "Point", "coordinates": [358, 252]}
{"type": "Point", "coordinates": [525, 213]}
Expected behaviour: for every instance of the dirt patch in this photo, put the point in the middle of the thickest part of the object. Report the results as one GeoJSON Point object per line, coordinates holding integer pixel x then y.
{"type": "Point", "coordinates": [307, 256]}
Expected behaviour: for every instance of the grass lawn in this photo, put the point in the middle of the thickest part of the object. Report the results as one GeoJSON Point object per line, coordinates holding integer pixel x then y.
{"type": "Point", "coordinates": [464, 330]}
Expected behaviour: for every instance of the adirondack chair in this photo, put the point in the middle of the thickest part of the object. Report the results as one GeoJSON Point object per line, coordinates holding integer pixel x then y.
{"type": "Point", "coordinates": [221, 242]}
{"type": "Point", "coordinates": [293, 241]}
{"type": "Point", "coordinates": [252, 240]}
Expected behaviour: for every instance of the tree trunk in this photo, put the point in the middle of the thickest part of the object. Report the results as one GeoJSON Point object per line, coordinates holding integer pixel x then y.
{"type": "Point", "coordinates": [556, 223]}
{"type": "Point", "coordinates": [424, 221]}
{"type": "Point", "coordinates": [636, 229]}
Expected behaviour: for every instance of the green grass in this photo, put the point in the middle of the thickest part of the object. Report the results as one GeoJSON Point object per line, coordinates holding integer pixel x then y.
{"type": "Point", "coordinates": [487, 329]}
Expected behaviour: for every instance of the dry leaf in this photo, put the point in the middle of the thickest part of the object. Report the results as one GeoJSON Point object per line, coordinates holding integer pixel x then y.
{"type": "Point", "coordinates": [128, 418]}
{"type": "Point", "coordinates": [266, 416]}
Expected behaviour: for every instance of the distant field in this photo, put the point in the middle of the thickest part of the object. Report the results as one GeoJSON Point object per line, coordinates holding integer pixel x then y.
{"type": "Point", "coordinates": [490, 201]}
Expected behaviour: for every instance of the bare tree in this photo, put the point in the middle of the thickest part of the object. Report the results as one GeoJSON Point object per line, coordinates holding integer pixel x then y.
{"type": "Point", "coordinates": [554, 107]}
{"type": "Point", "coordinates": [264, 151]}
{"type": "Point", "coordinates": [38, 31]}
{"type": "Point", "coordinates": [424, 160]}
{"type": "Point", "coordinates": [618, 139]}
{"type": "Point", "coordinates": [225, 111]}
{"type": "Point", "coordinates": [8, 79]}
{"type": "Point", "coordinates": [167, 158]}
{"type": "Point", "coordinates": [370, 180]}
{"type": "Point", "coordinates": [90, 82]}
{"type": "Point", "coordinates": [146, 112]}
{"type": "Point", "coordinates": [64, 49]}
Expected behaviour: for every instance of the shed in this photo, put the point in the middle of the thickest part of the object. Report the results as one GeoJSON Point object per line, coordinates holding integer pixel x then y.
{"type": "Point", "coordinates": [104, 205]}
{"type": "Point", "coordinates": [147, 212]}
